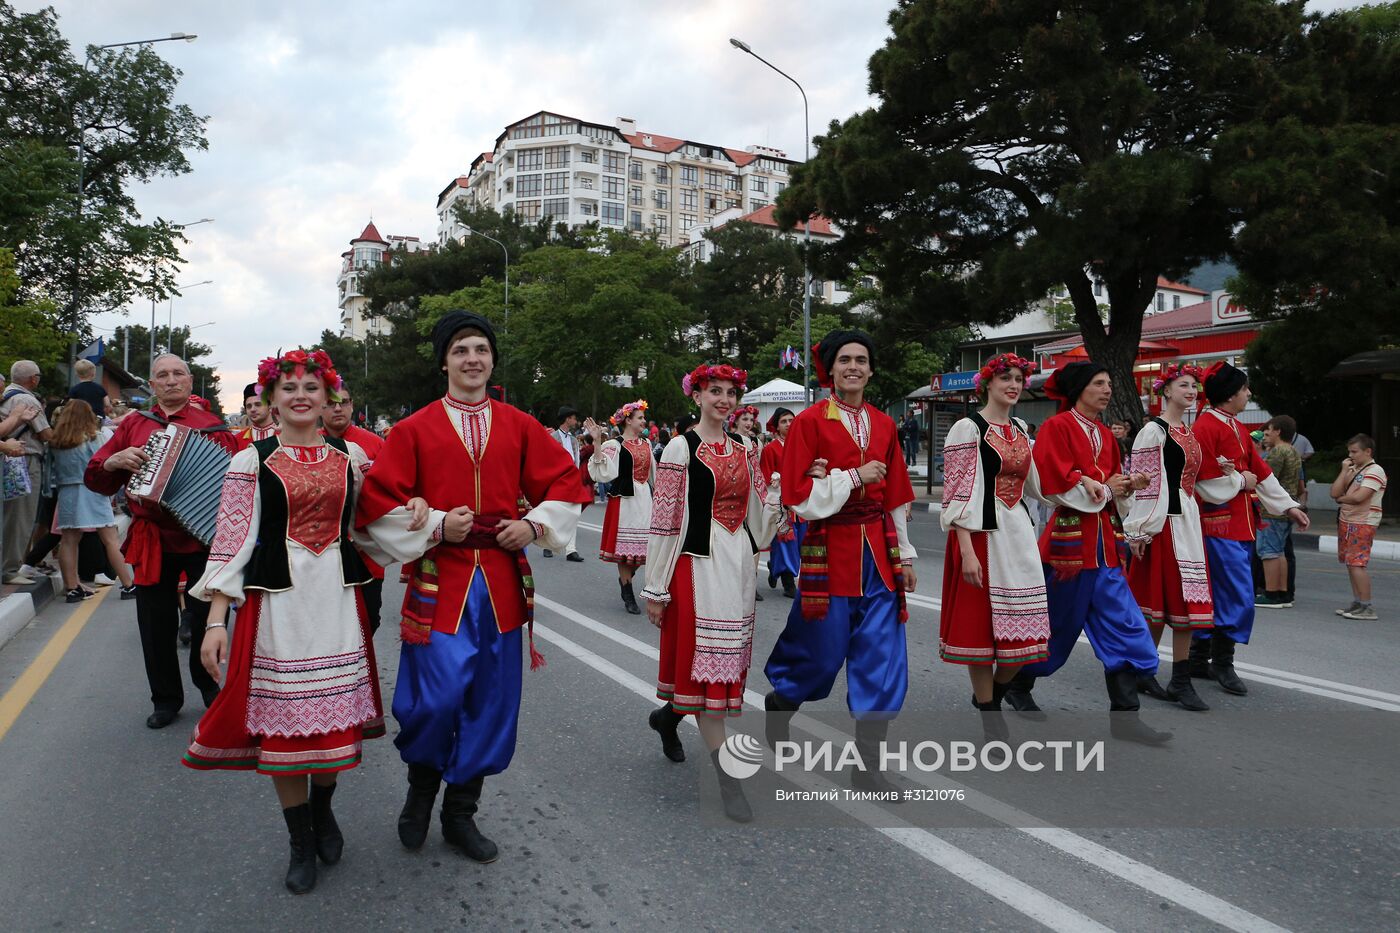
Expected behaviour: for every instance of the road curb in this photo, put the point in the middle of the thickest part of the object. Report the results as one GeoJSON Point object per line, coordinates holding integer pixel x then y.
{"type": "Point", "coordinates": [20, 607]}
{"type": "Point", "coordinates": [1326, 544]}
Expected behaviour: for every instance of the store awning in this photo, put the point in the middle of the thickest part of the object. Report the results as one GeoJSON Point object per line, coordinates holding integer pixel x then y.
{"type": "Point", "coordinates": [1147, 350]}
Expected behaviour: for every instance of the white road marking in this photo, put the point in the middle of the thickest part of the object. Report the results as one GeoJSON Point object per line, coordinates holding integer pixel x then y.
{"type": "Point", "coordinates": [987, 878]}
{"type": "Point", "coordinates": [1115, 863]}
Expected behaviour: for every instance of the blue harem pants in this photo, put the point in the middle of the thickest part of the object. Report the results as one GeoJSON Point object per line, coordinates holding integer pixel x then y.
{"type": "Point", "coordinates": [1231, 588]}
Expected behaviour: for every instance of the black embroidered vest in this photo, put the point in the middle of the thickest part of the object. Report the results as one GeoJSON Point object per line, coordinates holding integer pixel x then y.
{"type": "Point", "coordinates": [622, 486]}
{"type": "Point", "coordinates": [1173, 463]}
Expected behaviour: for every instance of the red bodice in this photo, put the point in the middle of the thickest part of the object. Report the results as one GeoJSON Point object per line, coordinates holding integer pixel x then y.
{"type": "Point", "coordinates": [1015, 452]}
{"type": "Point", "coordinates": [640, 450]}
{"type": "Point", "coordinates": [731, 483]}
{"type": "Point", "coordinates": [1186, 440]}
{"type": "Point", "coordinates": [314, 478]}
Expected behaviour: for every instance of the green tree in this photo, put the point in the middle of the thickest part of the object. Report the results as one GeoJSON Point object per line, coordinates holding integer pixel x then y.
{"type": "Point", "coordinates": [29, 330]}
{"type": "Point", "coordinates": [121, 110]}
{"type": "Point", "coordinates": [1022, 145]}
{"type": "Point", "coordinates": [750, 286]}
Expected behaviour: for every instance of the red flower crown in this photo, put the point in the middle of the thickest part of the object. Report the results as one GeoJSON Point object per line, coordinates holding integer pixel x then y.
{"type": "Point", "coordinates": [702, 375]}
{"type": "Point", "coordinates": [1171, 372]}
{"type": "Point", "coordinates": [1000, 363]}
{"type": "Point", "coordinates": [623, 413]}
{"type": "Point", "coordinates": [299, 362]}
{"type": "Point", "coordinates": [742, 410]}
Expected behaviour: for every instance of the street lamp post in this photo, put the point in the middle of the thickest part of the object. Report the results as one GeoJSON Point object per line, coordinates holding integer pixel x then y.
{"type": "Point", "coordinates": [187, 333]}
{"type": "Point", "coordinates": [82, 165]}
{"type": "Point", "coordinates": [506, 253]}
{"type": "Point", "coordinates": [170, 318]}
{"type": "Point", "coordinates": [806, 228]}
{"type": "Point", "coordinates": [202, 220]}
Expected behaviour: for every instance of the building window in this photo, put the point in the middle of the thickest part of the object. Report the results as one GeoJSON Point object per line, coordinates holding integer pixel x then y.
{"type": "Point", "coordinates": [1176, 302]}
{"type": "Point", "coordinates": [733, 183]}
{"type": "Point", "coordinates": [634, 196]}
{"type": "Point", "coordinates": [687, 221]}
{"type": "Point", "coordinates": [634, 171]}
{"type": "Point", "coordinates": [759, 185]}
{"type": "Point", "coordinates": [545, 124]}
{"type": "Point", "coordinates": [529, 160]}
{"type": "Point", "coordinates": [634, 222]}
{"type": "Point", "coordinates": [690, 175]}
{"type": "Point", "coordinates": [756, 203]}
{"type": "Point", "coordinates": [613, 162]}
{"type": "Point", "coordinates": [661, 198]}
{"type": "Point", "coordinates": [612, 213]}
{"type": "Point", "coordinates": [711, 203]}
{"type": "Point", "coordinates": [588, 209]}
{"type": "Point", "coordinates": [556, 183]}
{"type": "Point", "coordinates": [1161, 302]}
{"type": "Point", "coordinates": [556, 157]}
{"type": "Point", "coordinates": [588, 156]}
{"type": "Point", "coordinates": [557, 207]}
{"type": "Point", "coordinates": [778, 188]}
{"type": "Point", "coordinates": [713, 180]}
{"type": "Point", "coordinates": [528, 210]}
{"type": "Point", "coordinates": [730, 203]}
{"type": "Point", "coordinates": [663, 175]}
{"type": "Point", "coordinates": [690, 199]}
{"type": "Point", "coordinates": [661, 223]}
{"type": "Point", "coordinates": [528, 186]}
{"type": "Point", "coordinates": [612, 188]}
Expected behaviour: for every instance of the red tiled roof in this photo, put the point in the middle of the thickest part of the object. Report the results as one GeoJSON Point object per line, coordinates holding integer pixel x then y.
{"type": "Point", "coordinates": [764, 217]}
{"type": "Point", "coordinates": [1178, 287]}
{"type": "Point", "coordinates": [740, 157]}
{"type": "Point", "coordinates": [488, 156]}
{"type": "Point", "coordinates": [659, 143]}
{"type": "Point", "coordinates": [370, 234]}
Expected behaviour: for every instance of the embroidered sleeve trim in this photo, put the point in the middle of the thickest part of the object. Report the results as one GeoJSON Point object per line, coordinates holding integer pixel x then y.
{"type": "Point", "coordinates": [235, 516]}
{"type": "Point", "coordinates": [668, 501]}
{"type": "Point", "coordinates": [959, 472]}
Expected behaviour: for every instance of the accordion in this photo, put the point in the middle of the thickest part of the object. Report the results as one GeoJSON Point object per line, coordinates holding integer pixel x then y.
{"type": "Point", "coordinates": [185, 477]}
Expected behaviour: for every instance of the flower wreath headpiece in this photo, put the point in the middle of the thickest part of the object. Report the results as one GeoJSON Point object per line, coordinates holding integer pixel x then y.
{"type": "Point", "coordinates": [1173, 371]}
{"type": "Point", "coordinates": [1000, 364]}
{"type": "Point", "coordinates": [299, 362]}
{"type": "Point", "coordinates": [625, 412]}
{"type": "Point", "coordinates": [701, 376]}
{"type": "Point", "coordinates": [742, 410]}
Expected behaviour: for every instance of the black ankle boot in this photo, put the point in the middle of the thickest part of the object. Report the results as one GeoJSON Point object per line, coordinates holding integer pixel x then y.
{"type": "Point", "coordinates": [731, 794]}
{"type": "Point", "coordinates": [665, 720]}
{"type": "Point", "coordinates": [789, 587]}
{"type": "Point", "coordinates": [1179, 688]}
{"type": "Point", "coordinates": [869, 736]}
{"type": "Point", "coordinates": [1222, 664]}
{"type": "Point", "coordinates": [1199, 658]}
{"type": "Point", "coordinates": [1148, 684]}
{"type": "Point", "coordinates": [301, 870]}
{"type": "Point", "coordinates": [777, 722]}
{"type": "Point", "coordinates": [999, 691]}
{"type": "Point", "coordinates": [417, 814]}
{"type": "Point", "coordinates": [1124, 723]}
{"type": "Point", "coordinates": [629, 601]}
{"type": "Point", "coordinates": [329, 841]}
{"type": "Point", "coordinates": [458, 824]}
{"type": "Point", "coordinates": [1018, 696]}
{"type": "Point", "coordinates": [994, 728]}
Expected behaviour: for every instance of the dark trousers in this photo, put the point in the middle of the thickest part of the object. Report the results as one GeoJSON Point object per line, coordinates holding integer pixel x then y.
{"type": "Point", "coordinates": [158, 617]}
{"type": "Point", "coordinates": [1258, 567]}
{"type": "Point", "coordinates": [373, 592]}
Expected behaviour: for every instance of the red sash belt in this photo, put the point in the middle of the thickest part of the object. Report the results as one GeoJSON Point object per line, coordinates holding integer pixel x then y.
{"type": "Point", "coordinates": [142, 550]}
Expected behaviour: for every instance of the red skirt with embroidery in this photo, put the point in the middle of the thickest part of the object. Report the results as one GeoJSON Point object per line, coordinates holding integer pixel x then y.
{"type": "Point", "coordinates": [607, 550]}
{"type": "Point", "coordinates": [673, 681]}
{"type": "Point", "coordinates": [965, 620]}
{"type": "Point", "coordinates": [221, 741]}
{"type": "Point", "coordinates": [1155, 579]}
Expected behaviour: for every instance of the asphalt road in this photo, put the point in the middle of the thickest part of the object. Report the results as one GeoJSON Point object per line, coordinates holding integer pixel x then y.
{"type": "Point", "coordinates": [103, 828]}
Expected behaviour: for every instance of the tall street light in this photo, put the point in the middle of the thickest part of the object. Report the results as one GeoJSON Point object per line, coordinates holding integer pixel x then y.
{"type": "Point", "coordinates": [806, 229]}
{"type": "Point", "coordinates": [486, 236]}
{"type": "Point", "coordinates": [170, 317]}
{"type": "Point", "coordinates": [187, 333]}
{"type": "Point", "coordinates": [82, 165]}
{"type": "Point", "coordinates": [196, 223]}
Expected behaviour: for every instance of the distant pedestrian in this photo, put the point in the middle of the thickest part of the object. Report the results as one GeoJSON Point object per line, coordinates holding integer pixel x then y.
{"type": "Point", "coordinates": [33, 434]}
{"type": "Point", "coordinates": [76, 437]}
{"type": "Point", "coordinates": [1358, 489]}
{"type": "Point", "coordinates": [910, 434]}
{"type": "Point", "coordinates": [1275, 528]}
{"type": "Point", "coordinates": [89, 389]}
{"type": "Point", "coordinates": [564, 424]}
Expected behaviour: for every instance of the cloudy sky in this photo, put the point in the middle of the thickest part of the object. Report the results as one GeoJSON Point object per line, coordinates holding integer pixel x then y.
{"type": "Point", "coordinates": [322, 114]}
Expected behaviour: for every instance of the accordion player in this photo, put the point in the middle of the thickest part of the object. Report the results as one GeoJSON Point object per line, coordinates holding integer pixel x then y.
{"type": "Point", "coordinates": [184, 476]}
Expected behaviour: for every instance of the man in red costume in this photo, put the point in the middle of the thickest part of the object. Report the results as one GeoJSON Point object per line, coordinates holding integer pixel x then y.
{"type": "Point", "coordinates": [844, 473]}
{"type": "Point", "coordinates": [156, 547]}
{"type": "Point", "coordinates": [444, 495]}
{"type": "Point", "coordinates": [1231, 469]}
{"type": "Point", "coordinates": [261, 423]}
{"type": "Point", "coordinates": [784, 555]}
{"type": "Point", "coordinates": [336, 422]}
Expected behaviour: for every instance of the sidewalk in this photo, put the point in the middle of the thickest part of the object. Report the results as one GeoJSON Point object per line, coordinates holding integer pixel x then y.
{"type": "Point", "coordinates": [1320, 537]}
{"type": "Point", "coordinates": [20, 604]}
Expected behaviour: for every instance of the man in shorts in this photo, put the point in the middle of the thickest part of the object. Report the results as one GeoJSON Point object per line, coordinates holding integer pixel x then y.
{"type": "Point", "coordinates": [1358, 489]}
{"type": "Point", "coordinates": [1276, 530]}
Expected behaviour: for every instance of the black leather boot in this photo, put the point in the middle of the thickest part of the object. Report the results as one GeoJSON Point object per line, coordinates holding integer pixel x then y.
{"type": "Point", "coordinates": [994, 728]}
{"type": "Point", "coordinates": [777, 721]}
{"type": "Point", "coordinates": [1018, 696]}
{"type": "Point", "coordinates": [789, 587]}
{"type": "Point", "coordinates": [329, 841]}
{"type": "Point", "coordinates": [1148, 684]}
{"type": "Point", "coordinates": [629, 601]}
{"type": "Point", "coordinates": [1123, 721]}
{"type": "Point", "coordinates": [458, 823]}
{"type": "Point", "coordinates": [1200, 657]}
{"type": "Point", "coordinates": [870, 733]}
{"type": "Point", "coordinates": [999, 691]}
{"type": "Point", "coordinates": [417, 814]}
{"type": "Point", "coordinates": [731, 794]}
{"type": "Point", "coordinates": [1180, 689]}
{"type": "Point", "coordinates": [1222, 664]}
{"type": "Point", "coordinates": [772, 581]}
{"type": "Point", "coordinates": [665, 720]}
{"type": "Point", "coordinates": [301, 870]}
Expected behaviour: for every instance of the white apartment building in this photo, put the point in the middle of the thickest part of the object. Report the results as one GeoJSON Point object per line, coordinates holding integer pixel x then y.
{"type": "Point", "coordinates": [577, 172]}
{"type": "Point", "coordinates": [367, 251]}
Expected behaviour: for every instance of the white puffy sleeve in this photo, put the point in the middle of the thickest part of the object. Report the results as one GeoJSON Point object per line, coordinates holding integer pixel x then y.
{"type": "Point", "coordinates": [963, 486]}
{"type": "Point", "coordinates": [828, 496]}
{"type": "Point", "coordinates": [1148, 512]}
{"type": "Point", "coordinates": [236, 533]}
{"type": "Point", "coordinates": [603, 465]}
{"type": "Point", "coordinates": [1271, 493]}
{"type": "Point", "coordinates": [669, 520]}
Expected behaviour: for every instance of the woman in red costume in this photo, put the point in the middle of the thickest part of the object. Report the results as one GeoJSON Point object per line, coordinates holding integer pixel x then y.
{"type": "Point", "coordinates": [301, 692]}
{"type": "Point", "coordinates": [625, 464]}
